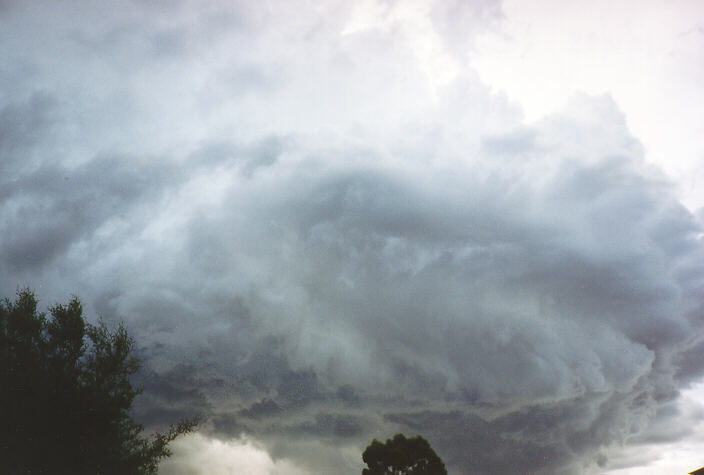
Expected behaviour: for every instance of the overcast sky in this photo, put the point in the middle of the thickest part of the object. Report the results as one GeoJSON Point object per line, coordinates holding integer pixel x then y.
{"type": "Point", "coordinates": [328, 221]}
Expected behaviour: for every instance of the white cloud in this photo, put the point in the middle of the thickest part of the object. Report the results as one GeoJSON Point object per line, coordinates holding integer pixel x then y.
{"type": "Point", "coordinates": [197, 454]}
{"type": "Point", "coordinates": [642, 53]}
{"type": "Point", "coordinates": [667, 446]}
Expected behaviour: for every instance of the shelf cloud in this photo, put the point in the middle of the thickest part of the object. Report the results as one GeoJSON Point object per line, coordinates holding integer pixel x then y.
{"type": "Point", "coordinates": [321, 226]}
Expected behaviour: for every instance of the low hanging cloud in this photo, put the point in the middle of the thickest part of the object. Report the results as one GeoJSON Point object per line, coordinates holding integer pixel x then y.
{"type": "Point", "coordinates": [527, 307]}
{"type": "Point", "coordinates": [525, 295]}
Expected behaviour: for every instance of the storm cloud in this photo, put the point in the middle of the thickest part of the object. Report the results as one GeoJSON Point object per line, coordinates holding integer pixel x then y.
{"type": "Point", "coordinates": [317, 238]}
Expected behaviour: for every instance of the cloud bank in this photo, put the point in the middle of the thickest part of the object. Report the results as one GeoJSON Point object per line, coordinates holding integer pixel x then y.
{"type": "Point", "coordinates": [322, 227]}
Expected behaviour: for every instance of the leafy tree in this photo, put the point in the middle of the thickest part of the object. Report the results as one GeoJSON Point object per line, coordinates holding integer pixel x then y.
{"type": "Point", "coordinates": [65, 395]}
{"type": "Point", "coordinates": [402, 456]}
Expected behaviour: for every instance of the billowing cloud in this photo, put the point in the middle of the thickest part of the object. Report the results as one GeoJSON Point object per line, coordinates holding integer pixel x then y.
{"type": "Point", "coordinates": [318, 234]}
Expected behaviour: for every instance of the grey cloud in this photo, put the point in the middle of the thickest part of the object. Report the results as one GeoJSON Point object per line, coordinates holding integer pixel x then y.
{"type": "Point", "coordinates": [330, 425]}
{"type": "Point", "coordinates": [24, 127]}
{"type": "Point", "coordinates": [471, 443]}
{"type": "Point", "coordinates": [168, 397]}
{"type": "Point", "coordinates": [480, 294]}
{"type": "Point", "coordinates": [159, 45]}
{"type": "Point", "coordinates": [315, 269]}
{"type": "Point", "coordinates": [249, 158]}
{"type": "Point", "coordinates": [50, 208]}
{"type": "Point", "coordinates": [264, 408]}
{"type": "Point", "coordinates": [565, 289]}
{"type": "Point", "coordinates": [348, 396]}
{"type": "Point", "coordinates": [690, 362]}
{"type": "Point", "coordinates": [298, 387]}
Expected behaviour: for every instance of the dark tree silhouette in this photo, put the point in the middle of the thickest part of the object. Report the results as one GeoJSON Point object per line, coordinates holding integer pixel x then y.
{"type": "Point", "coordinates": [65, 395]}
{"type": "Point", "coordinates": [402, 456]}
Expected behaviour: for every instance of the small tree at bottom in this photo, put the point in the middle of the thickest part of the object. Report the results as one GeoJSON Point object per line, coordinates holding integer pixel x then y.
{"type": "Point", "coordinates": [402, 456]}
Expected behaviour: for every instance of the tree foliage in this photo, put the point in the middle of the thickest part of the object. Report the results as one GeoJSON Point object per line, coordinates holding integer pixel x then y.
{"type": "Point", "coordinates": [65, 395]}
{"type": "Point", "coordinates": [402, 456]}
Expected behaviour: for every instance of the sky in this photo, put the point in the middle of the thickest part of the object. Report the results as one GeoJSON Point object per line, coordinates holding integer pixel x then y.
{"type": "Point", "coordinates": [328, 221]}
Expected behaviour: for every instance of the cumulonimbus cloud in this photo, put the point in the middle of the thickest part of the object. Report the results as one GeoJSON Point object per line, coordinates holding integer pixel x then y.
{"type": "Point", "coordinates": [331, 260]}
